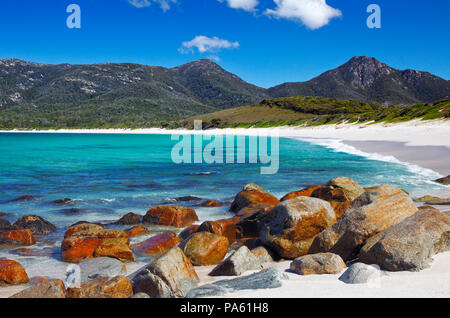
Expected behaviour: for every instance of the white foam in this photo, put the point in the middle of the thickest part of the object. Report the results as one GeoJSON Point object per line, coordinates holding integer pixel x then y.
{"type": "Point", "coordinates": [339, 146]}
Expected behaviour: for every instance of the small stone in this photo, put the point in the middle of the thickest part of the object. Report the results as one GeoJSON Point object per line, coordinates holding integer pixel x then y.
{"type": "Point", "coordinates": [321, 263]}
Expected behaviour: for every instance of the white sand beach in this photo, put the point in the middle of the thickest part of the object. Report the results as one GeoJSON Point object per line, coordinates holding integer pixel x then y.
{"type": "Point", "coordinates": [431, 282]}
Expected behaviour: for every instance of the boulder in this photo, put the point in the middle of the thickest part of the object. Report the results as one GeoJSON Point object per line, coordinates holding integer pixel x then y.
{"type": "Point", "coordinates": [374, 211]}
{"type": "Point", "coordinates": [158, 244]}
{"type": "Point", "coordinates": [339, 192]}
{"type": "Point", "coordinates": [210, 204]}
{"type": "Point", "coordinates": [5, 225]}
{"type": "Point", "coordinates": [36, 224]}
{"type": "Point", "coordinates": [129, 219]}
{"type": "Point", "coordinates": [38, 279]}
{"type": "Point", "coordinates": [265, 279]}
{"type": "Point", "coordinates": [171, 275]}
{"type": "Point", "coordinates": [410, 244]}
{"type": "Point", "coordinates": [53, 288]}
{"type": "Point", "coordinates": [444, 180]}
{"type": "Point", "coordinates": [188, 231]}
{"type": "Point", "coordinates": [177, 216]}
{"type": "Point", "coordinates": [254, 208]}
{"type": "Point", "coordinates": [301, 193]}
{"type": "Point", "coordinates": [426, 198]}
{"type": "Point", "coordinates": [101, 267]}
{"type": "Point", "coordinates": [138, 230]}
{"type": "Point", "coordinates": [262, 254]}
{"type": "Point", "coordinates": [21, 237]}
{"type": "Point", "coordinates": [251, 193]}
{"type": "Point", "coordinates": [321, 263]}
{"type": "Point", "coordinates": [103, 287]}
{"type": "Point", "coordinates": [12, 273]}
{"type": "Point", "coordinates": [205, 248]}
{"type": "Point", "coordinates": [290, 227]}
{"type": "Point", "coordinates": [236, 264]}
{"type": "Point", "coordinates": [248, 226]}
{"type": "Point", "coordinates": [359, 273]}
{"type": "Point", "coordinates": [439, 202]}
{"type": "Point", "coordinates": [86, 240]}
{"type": "Point", "coordinates": [224, 227]}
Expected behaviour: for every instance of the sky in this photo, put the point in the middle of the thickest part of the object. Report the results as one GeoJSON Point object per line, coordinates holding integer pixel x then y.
{"type": "Point", "coordinates": [265, 42]}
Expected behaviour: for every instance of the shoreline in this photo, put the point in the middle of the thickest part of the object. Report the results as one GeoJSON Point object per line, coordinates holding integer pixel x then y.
{"type": "Point", "coordinates": [424, 144]}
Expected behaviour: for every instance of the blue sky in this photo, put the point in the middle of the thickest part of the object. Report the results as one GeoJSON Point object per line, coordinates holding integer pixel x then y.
{"type": "Point", "coordinates": [267, 44]}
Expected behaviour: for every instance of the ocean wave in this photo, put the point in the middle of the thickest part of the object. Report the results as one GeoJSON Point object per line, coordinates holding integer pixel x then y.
{"type": "Point", "coordinates": [339, 146]}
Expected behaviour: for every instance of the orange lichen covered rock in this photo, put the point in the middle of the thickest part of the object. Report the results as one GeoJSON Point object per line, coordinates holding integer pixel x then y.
{"type": "Point", "coordinates": [87, 240]}
{"type": "Point", "coordinates": [188, 231]}
{"type": "Point", "coordinates": [12, 273]}
{"type": "Point", "coordinates": [290, 227]}
{"type": "Point", "coordinates": [24, 237]}
{"type": "Point", "coordinates": [251, 193]}
{"type": "Point", "coordinates": [103, 287]}
{"type": "Point", "coordinates": [158, 244]}
{"type": "Point", "coordinates": [377, 209]}
{"type": "Point", "coordinates": [224, 227]}
{"type": "Point", "coordinates": [177, 216]}
{"type": "Point", "coordinates": [138, 230]}
{"type": "Point", "coordinates": [211, 204]}
{"type": "Point", "coordinates": [302, 193]}
{"type": "Point", "coordinates": [205, 248]}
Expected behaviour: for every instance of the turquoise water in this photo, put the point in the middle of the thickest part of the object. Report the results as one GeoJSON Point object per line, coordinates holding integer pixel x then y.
{"type": "Point", "coordinates": [110, 175]}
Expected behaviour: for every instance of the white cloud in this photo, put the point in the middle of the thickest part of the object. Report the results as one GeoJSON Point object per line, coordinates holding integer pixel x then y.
{"type": "Point", "coordinates": [312, 13]}
{"type": "Point", "coordinates": [205, 44]}
{"type": "Point", "coordinates": [247, 5]}
{"type": "Point", "coordinates": [165, 4]}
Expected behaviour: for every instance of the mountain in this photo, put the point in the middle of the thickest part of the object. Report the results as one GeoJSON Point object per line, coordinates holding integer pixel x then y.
{"type": "Point", "coordinates": [34, 95]}
{"type": "Point", "coordinates": [366, 79]}
{"type": "Point", "coordinates": [117, 94]}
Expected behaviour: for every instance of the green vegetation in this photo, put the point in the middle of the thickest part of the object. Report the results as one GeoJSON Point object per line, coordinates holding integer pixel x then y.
{"type": "Point", "coordinates": [314, 111]}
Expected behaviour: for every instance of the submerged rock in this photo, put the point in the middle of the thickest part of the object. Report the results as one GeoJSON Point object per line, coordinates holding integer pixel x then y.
{"type": "Point", "coordinates": [103, 287]}
{"type": "Point", "coordinates": [129, 219]}
{"type": "Point", "coordinates": [5, 225]}
{"type": "Point", "coordinates": [53, 288]}
{"type": "Point", "coordinates": [410, 244]}
{"type": "Point", "coordinates": [236, 264]}
{"type": "Point", "coordinates": [205, 248]}
{"type": "Point", "coordinates": [177, 216]}
{"type": "Point", "coordinates": [444, 180]}
{"type": "Point", "coordinates": [36, 224]}
{"type": "Point", "coordinates": [290, 227]}
{"type": "Point", "coordinates": [426, 198]}
{"type": "Point", "coordinates": [374, 211]}
{"type": "Point", "coordinates": [101, 266]}
{"type": "Point", "coordinates": [171, 275]}
{"type": "Point", "coordinates": [12, 273]}
{"type": "Point", "coordinates": [321, 263]}
{"type": "Point", "coordinates": [360, 273]}
{"type": "Point", "coordinates": [267, 278]}
{"type": "Point", "coordinates": [251, 193]}
{"type": "Point", "coordinates": [21, 237]}
{"type": "Point", "coordinates": [24, 198]}
{"type": "Point", "coordinates": [188, 198]}
{"type": "Point", "coordinates": [439, 202]}
{"type": "Point", "coordinates": [210, 204]}
{"type": "Point", "coordinates": [138, 230]}
{"type": "Point", "coordinates": [65, 201]}
{"type": "Point", "coordinates": [158, 244]}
